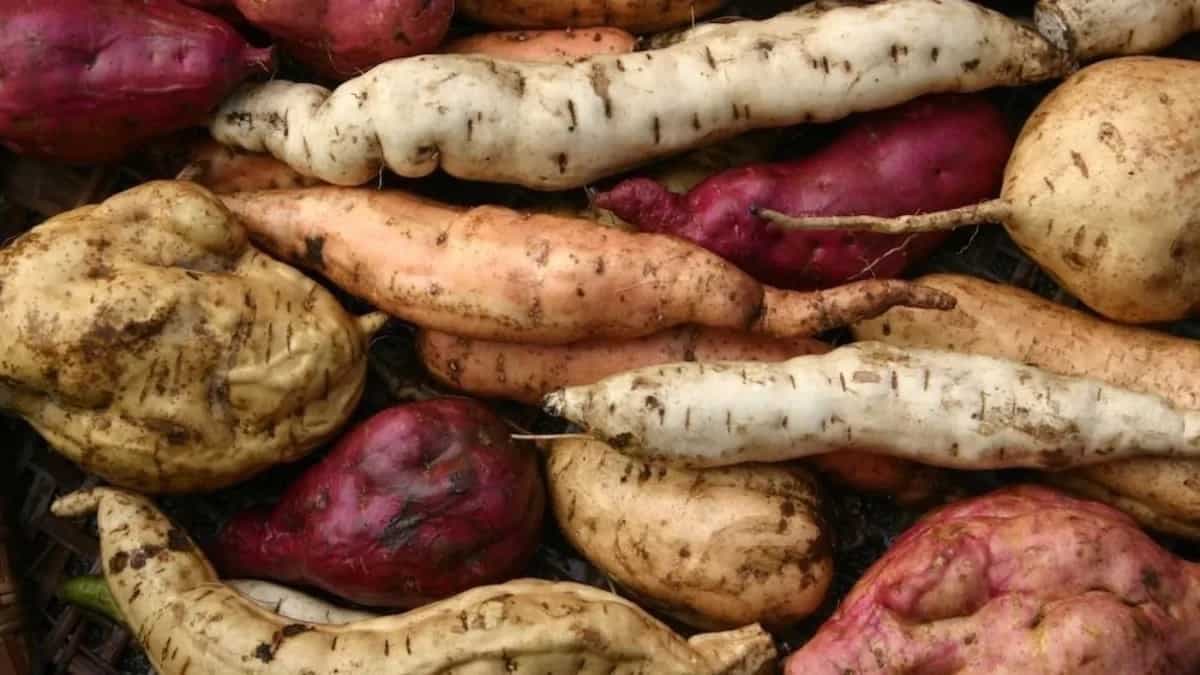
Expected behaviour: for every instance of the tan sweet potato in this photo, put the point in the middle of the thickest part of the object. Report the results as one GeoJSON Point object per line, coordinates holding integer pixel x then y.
{"type": "Point", "coordinates": [149, 342]}
{"type": "Point", "coordinates": [189, 622]}
{"type": "Point", "coordinates": [221, 169]}
{"type": "Point", "coordinates": [639, 16]}
{"type": "Point", "coordinates": [715, 548]}
{"type": "Point", "coordinates": [550, 46]}
{"type": "Point", "coordinates": [497, 274]}
{"type": "Point", "coordinates": [1007, 322]}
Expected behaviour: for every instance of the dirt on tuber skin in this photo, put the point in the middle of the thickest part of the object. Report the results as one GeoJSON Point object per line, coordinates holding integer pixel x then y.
{"type": "Point", "coordinates": [603, 115]}
{"type": "Point", "coordinates": [419, 502]}
{"type": "Point", "coordinates": [497, 274]}
{"type": "Point", "coordinates": [934, 153]}
{"type": "Point", "coordinates": [92, 80]}
{"type": "Point", "coordinates": [188, 622]}
{"type": "Point", "coordinates": [1021, 581]}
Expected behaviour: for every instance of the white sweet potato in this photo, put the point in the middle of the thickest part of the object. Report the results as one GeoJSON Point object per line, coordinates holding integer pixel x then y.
{"type": "Point", "coordinates": [716, 548]}
{"type": "Point", "coordinates": [595, 117]}
{"type": "Point", "coordinates": [936, 407]}
{"type": "Point", "coordinates": [1010, 323]}
{"type": "Point", "coordinates": [189, 623]}
{"type": "Point", "coordinates": [1101, 190]}
{"type": "Point", "coordinates": [1090, 29]}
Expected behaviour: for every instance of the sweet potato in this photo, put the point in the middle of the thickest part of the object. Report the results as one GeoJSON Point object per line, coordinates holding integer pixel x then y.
{"type": "Point", "coordinates": [150, 343]}
{"type": "Point", "coordinates": [1100, 190]}
{"type": "Point", "coordinates": [933, 153]}
{"type": "Point", "coordinates": [92, 592]}
{"type": "Point", "coordinates": [639, 16]}
{"type": "Point", "coordinates": [189, 622]}
{"type": "Point", "coordinates": [343, 38]}
{"type": "Point", "coordinates": [1091, 29]}
{"type": "Point", "coordinates": [419, 502]}
{"type": "Point", "coordinates": [221, 170]}
{"type": "Point", "coordinates": [549, 46]}
{"type": "Point", "coordinates": [1016, 582]}
{"type": "Point", "coordinates": [599, 116]}
{"type": "Point", "coordinates": [496, 274]}
{"type": "Point", "coordinates": [1006, 322]}
{"type": "Point", "coordinates": [715, 548]}
{"type": "Point", "coordinates": [936, 407]}
{"type": "Point", "coordinates": [91, 80]}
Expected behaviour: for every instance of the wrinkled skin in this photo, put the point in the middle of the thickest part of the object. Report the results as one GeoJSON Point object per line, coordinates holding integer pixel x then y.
{"type": "Point", "coordinates": [933, 153]}
{"type": "Point", "coordinates": [90, 80]}
{"type": "Point", "coordinates": [343, 38]}
{"type": "Point", "coordinates": [149, 342]}
{"type": "Point", "coordinates": [418, 503]}
{"type": "Point", "coordinates": [1022, 581]}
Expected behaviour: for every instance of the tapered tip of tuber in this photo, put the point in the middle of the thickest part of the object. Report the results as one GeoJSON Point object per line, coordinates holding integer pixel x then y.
{"type": "Point", "coordinates": [76, 504]}
{"type": "Point", "coordinates": [370, 324]}
{"type": "Point", "coordinates": [748, 650]}
{"type": "Point", "coordinates": [924, 297]}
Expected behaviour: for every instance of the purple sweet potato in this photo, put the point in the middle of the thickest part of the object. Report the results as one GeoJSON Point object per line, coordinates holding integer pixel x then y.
{"type": "Point", "coordinates": [420, 502]}
{"type": "Point", "coordinates": [90, 80]}
{"type": "Point", "coordinates": [339, 39]}
{"type": "Point", "coordinates": [1021, 581]}
{"type": "Point", "coordinates": [932, 153]}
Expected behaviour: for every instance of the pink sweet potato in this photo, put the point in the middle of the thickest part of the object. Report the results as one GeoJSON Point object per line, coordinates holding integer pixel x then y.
{"type": "Point", "coordinates": [418, 503]}
{"type": "Point", "coordinates": [1020, 581]}
{"type": "Point", "coordinates": [342, 38]}
{"type": "Point", "coordinates": [90, 80]}
{"type": "Point", "coordinates": [932, 153]}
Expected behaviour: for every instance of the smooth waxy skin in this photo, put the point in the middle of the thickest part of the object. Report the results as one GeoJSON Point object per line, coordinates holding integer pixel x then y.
{"type": "Point", "coordinates": [417, 503]}
{"type": "Point", "coordinates": [91, 80]}
{"type": "Point", "coordinates": [933, 153]}
{"type": "Point", "coordinates": [189, 623]}
{"type": "Point", "coordinates": [1023, 581]}
{"type": "Point", "coordinates": [150, 343]}
{"type": "Point", "coordinates": [599, 116]}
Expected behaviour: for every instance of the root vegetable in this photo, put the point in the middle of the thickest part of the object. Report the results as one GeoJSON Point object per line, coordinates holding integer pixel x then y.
{"type": "Point", "coordinates": [1019, 581]}
{"type": "Point", "coordinates": [342, 38]}
{"type": "Point", "coordinates": [496, 274]}
{"type": "Point", "coordinates": [933, 153]}
{"type": "Point", "coordinates": [935, 407]}
{"type": "Point", "coordinates": [222, 170]}
{"type": "Point", "coordinates": [91, 80]}
{"type": "Point", "coordinates": [1100, 190]}
{"type": "Point", "coordinates": [14, 647]}
{"type": "Point", "coordinates": [1005, 322]}
{"type": "Point", "coordinates": [190, 622]}
{"type": "Point", "coordinates": [419, 502]}
{"type": "Point", "coordinates": [1091, 29]}
{"type": "Point", "coordinates": [92, 592]}
{"type": "Point", "coordinates": [527, 372]}
{"type": "Point", "coordinates": [639, 16]}
{"type": "Point", "coordinates": [545, 46]}
{"type": "Point", "coordinates": [599, 116]}
{"type": "Point", "coordinates": [716, 548]}
{"type": "Point", "coordinates": [150, 343]}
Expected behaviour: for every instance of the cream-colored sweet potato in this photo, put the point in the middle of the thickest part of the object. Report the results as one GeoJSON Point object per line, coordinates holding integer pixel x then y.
{"type": "Point", "coordinates": [716, 548]}
{"type": "Point", "coordinates": [192, 624]}
{"type": "Point", "coordinates": [1091, 29]}
{"type": "Point", "coordinates": [149, 342]}
{"type": "Point", "coordinates": [1006, 322]}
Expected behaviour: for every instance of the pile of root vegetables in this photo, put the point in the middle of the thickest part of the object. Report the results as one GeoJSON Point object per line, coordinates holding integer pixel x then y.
{"type": "Point", "coordinates": [695, 276]}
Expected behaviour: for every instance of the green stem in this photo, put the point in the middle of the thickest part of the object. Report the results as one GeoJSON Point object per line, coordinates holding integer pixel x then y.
{"type": "Point", "coordinates": [91, 592]}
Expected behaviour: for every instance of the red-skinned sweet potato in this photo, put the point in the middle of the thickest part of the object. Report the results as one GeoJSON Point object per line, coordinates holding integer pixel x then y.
{"type": "Point", "coordinates": [932, 153]}
{"type": "Point", "coordinates": [1020, 581]}
{"type": "Point", "coordinates": [418, 503]}
{"type": "Point", "coordinates": [90, 80]}
{"type": "Point", "coordinates": [343, 38]}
